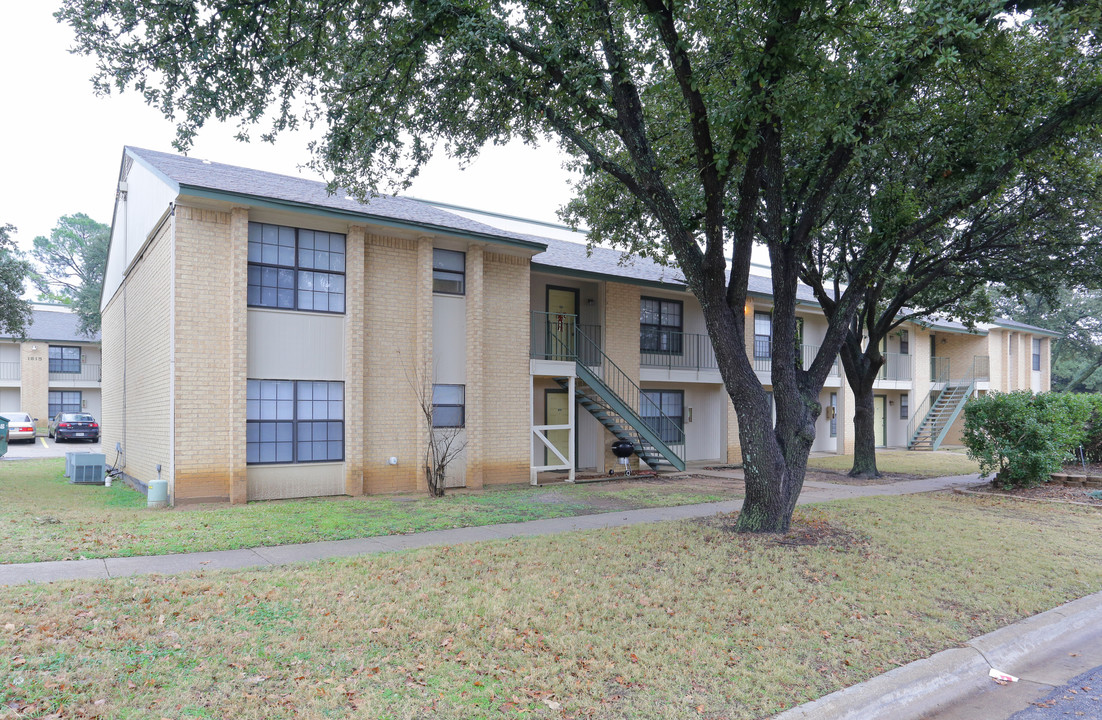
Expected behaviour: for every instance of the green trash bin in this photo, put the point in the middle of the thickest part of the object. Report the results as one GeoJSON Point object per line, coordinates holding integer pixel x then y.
{"type": "Point", "coordinates": [3, 435]}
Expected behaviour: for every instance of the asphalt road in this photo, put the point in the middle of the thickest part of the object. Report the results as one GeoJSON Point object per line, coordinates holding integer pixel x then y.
{"type": "Point", "coordinates": [44, 447]}
{"type": "Point", "coordinates": [1080, 698]}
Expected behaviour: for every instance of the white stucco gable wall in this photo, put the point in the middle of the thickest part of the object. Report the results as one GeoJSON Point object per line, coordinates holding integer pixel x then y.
{"type": "Point", "coordinates": [144, 196]}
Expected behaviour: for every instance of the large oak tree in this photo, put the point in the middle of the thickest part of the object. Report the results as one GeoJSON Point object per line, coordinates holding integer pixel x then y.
{"type": "Point", "coordinates": [723, 124]}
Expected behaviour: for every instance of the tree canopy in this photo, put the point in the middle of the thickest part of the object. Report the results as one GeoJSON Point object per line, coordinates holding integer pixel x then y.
{"type": "Point", "coordinates": [15, 312]}
{"type": "Point", "coordinates": [1075, 313]}
{"type": "Point", "coordinates": [72, 261]}
{"type": "Point", "coordinates": [700, 127]}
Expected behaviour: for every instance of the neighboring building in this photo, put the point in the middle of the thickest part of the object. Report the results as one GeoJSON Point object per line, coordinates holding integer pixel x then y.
{"type": "Point", "coordinates": [54, 369]}
{"type": "Point", "coordinates": [263, 339]}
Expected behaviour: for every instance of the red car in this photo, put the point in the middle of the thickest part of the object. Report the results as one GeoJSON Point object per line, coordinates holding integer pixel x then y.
{"type": "Point", "coordinates": [20, 426]}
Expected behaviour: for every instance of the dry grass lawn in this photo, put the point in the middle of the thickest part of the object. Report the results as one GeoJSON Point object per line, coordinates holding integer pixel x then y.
{"type": "Point", "coordinates": [43, 517]}
{"type": "Point", "coordinates": [675, 620]}
{"type": "Point", "coordinates": [907, 462]}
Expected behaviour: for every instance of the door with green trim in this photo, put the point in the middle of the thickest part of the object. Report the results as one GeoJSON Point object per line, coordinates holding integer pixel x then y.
{"type": "Point", "coordinates": [562, 314]}
{"type": "Point", "coordinates": [880, 405]}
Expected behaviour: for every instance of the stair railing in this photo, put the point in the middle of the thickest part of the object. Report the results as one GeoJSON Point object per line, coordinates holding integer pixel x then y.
{"type": "Point", "coordinates": [917, 418]}
{"type": "Point", "coordinates": [630, 394]}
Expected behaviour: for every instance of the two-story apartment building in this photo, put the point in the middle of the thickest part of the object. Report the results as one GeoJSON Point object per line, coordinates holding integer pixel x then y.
{"type": "Point", "coordinates": [55, 368]}
{"type": "Point", "coordinates": [264, 339]}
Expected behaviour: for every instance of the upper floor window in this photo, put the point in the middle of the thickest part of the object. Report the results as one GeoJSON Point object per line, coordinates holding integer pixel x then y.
{"type": "Point", "coordinates": [296, 269]}
{"type": "Point", "coordinates": [763, 335]}
{"type": "Point", "coordinates": [449, 272]}
{"type": "Point", "coordinates": [64, 359]}
{"type": "Point", "coordinates": [904, 342]}
{"type": "Point", "coordinates": [1036, 353]}
{"type": "Point", "coordinates": [660, 325]}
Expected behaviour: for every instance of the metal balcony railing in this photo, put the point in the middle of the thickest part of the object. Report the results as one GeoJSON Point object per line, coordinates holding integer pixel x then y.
{"type": "Point", "coordinates": [681, 351]}
{"type": "Point", "coordinates": [554, 337]}
{"type": "Point", "coordinates": [897, 366]}
{"type": "Point", "coordinates": [9, 370]}
{"type": "Point", "coordinates": [939, 370]}
{"type": "Point", "coordinates": [88, 372]}
{"type": "Point", "coordinates": [981, 368]}
{"type": "Point", "coordinates": [763, 357]}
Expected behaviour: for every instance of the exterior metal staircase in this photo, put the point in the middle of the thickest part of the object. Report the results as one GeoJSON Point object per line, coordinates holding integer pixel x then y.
{"type": "Point", "coordinates": [929, 432]}
{"type": "Point", "coordinates": [610, 396]}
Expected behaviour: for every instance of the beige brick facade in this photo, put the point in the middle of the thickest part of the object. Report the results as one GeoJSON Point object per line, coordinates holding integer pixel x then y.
{"type": "Point", "coordinates": [210, 354]}
{"type": "Point", "coordinates": [506, 412]}
{"type": "Point", "coordinates": [622, 347]}
{"type": "Point", "coordinates": [34, 369]}
{"type": "Point", "coordinates": [354, 369]}
{"type": "Point", "coordinates": [393, 367]}
{"type": "Point", "coordinates": [476, 391]}
{"type": "Point", "coordinates": [137, 385]}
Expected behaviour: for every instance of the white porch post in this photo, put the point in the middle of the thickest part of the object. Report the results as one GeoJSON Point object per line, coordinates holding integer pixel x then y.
{"type": "Point", "coordinates": [570, 403]}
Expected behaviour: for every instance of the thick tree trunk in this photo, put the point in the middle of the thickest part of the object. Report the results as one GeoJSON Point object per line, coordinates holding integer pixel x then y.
{"type": "Point", "coordinates": [864, 429]}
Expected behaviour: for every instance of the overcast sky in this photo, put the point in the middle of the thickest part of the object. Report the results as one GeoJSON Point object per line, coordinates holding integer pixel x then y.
{"type": "Point", "coordinates": [61, 144]}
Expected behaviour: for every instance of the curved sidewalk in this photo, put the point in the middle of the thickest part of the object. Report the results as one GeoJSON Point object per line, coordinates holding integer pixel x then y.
{"type": "Point", "coordinates": [102, 569]}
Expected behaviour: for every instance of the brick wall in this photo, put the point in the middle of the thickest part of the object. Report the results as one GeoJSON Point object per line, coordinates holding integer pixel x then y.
{"type": "Point", "coordinates": [478, 395]}
{"type": "Point", "coordinates": [34, 380]}
{"type": "Point", "coordinates": [393, 424]}
{"type": "Point", "coordinates": [354, 370]}
{"type": "Point", "coordinates": [136, 370]}
{"type": "Point", "coordinates": [622, 347]}
{"type": "Point", "coordinates": [211, 348]}
{"type": "Point", "coordinates": [507, 415]}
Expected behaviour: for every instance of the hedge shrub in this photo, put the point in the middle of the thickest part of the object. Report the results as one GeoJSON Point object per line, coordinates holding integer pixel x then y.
{"type": "Point", "coordinates": [1025, 437]}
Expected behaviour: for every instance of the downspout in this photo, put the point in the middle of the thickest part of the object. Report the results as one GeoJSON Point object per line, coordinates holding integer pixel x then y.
{"type": "Point", "coordinates": [172, 358]}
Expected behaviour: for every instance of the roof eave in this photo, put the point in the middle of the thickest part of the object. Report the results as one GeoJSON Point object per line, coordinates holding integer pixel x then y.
{"type": "Point", "coordinates": [271, 203]}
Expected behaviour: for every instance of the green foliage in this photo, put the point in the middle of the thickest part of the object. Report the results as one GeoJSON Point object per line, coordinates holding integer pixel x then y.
{"type": "Point", "coordinates": [73, 260]}
{"type": "Point", "coordinates": [1024, 437]}
{"type": "Point", "coordinates": [15, 312]}
{"type": "Point", "coordinates": [698, 127]}
{"type": "Point", "coordinates": [1076, 314]}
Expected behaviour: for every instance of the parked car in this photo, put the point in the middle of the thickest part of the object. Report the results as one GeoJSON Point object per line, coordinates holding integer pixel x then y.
{"type": "Point", "coordinates": [20, 426]}
{"type": "Point", "coordinates": [73, 426]}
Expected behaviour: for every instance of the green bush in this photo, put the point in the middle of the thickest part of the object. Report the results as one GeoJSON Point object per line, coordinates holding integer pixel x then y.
{"type": "Point", "coordinates": [1025, 437]}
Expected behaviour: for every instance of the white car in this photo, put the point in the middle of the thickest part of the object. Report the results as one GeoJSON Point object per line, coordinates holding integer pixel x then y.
{"type": "Point", "coordinates": [20, 426]}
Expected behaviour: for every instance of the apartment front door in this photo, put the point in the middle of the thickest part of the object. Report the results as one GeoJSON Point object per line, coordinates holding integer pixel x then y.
{"type": "Point", "coordinates": [562, 313]}
{"type": "Point", "coordinates": [880, 405]}
{"type": "Point", "coordinates": [556, 411]}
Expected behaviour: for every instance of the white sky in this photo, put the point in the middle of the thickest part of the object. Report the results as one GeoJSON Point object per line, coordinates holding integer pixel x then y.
{"type": "Point", "coordinates": [60, 144]}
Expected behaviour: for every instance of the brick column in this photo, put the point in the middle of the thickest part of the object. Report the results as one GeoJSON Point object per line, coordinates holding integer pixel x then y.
{"type": "Point", "coordinates": [475, 385]}
{"type": "Point", "coordinates": [734, 445]}
{"type": "Point", "coordinates": [621, 346]}
{"type": "Point", "coordinates": [238, 344]}
{"type": "Point", "coordinates": [354, 368]}
{"type": "Point", "coordinates": [423, 355]}
{"type": "Point", "coordinates": [34, 380]}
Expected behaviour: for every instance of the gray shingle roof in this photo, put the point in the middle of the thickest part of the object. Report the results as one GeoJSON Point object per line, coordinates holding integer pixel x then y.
{"type": "Point", "coordinates": [56, 325]}
{"type": "Point", "coordinates": [202, 174]}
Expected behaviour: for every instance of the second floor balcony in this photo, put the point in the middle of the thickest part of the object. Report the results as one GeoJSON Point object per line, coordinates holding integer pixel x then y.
{"type": "Point", "coordinates": [896, 367]}
{"type": "Point", "coordinates": [88, 372]}
{"type": "Point", "coordinates": [9, 370]}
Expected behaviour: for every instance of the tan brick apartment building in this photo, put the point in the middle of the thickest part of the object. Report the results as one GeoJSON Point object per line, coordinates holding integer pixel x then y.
{"type": "Point", "coordinates": [263, 339]}
{"type": "Point", "coordinates": [55, 368]}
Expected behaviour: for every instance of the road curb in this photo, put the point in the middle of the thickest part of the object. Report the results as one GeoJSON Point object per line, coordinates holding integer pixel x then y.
{"type": "Point", "coordinates": [916, 690]}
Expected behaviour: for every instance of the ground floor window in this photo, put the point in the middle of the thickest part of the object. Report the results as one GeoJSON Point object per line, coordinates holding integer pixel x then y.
{"type": "Point", "coordinates": [834, 415]}
{"type": "Point", "coordinates": [664, 411]}
{"type": "Point", "coordinates": [290, 421]}
{"type": "Point", "coordinates": [448, 406]}
{"type": "Point", "coordinates": [904, 406]}
{"type": "Point", "coordinates": [68, 401]}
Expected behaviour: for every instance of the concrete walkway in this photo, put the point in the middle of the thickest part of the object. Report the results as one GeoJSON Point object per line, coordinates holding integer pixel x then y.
{"type": "Point", "coordinates": [813, 492]}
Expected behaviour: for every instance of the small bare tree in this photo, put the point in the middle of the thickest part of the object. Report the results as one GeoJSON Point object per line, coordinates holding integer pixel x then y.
{"type": "Point", "coordinates": [445, 444]}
